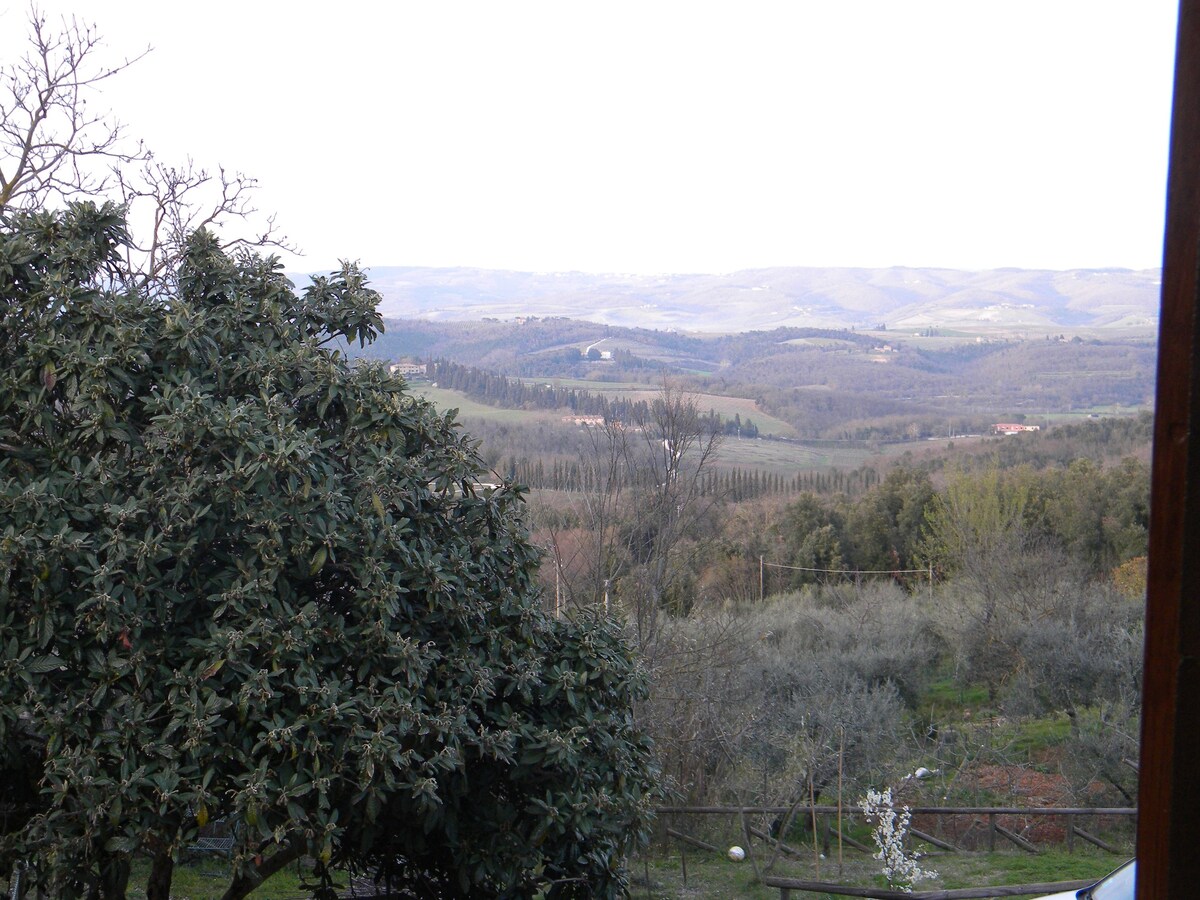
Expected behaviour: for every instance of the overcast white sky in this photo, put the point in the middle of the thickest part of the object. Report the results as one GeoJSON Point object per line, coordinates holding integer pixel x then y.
{"type": "Point", "coordinates": [668, 136]}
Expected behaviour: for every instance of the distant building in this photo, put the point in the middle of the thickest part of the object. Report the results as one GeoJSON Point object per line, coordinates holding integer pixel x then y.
{"type": "Point", "coordinates": [1009, 428]}
{"type": "Point", "coordinates": [407, 368]}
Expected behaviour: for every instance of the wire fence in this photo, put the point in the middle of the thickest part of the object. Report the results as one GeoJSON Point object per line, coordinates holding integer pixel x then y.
{"type": "Point", "coordinates": [946, 827]}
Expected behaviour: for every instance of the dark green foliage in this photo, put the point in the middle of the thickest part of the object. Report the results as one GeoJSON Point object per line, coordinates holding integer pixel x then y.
{"type": "Point", "coordinates": [243, 580]}
{"type": "Point", "coordinates": [1098, 517]}
{"type": "Point", "coordinates": [1099, 440]}
{"type": "Point", "coordinates": [544, 801]}
{"type": "Point", "coordinates": [880, 531]}
{"type": "Point", "coordinates": [884, 528]}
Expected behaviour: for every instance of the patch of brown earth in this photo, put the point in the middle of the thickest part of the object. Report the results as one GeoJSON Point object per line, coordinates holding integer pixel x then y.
{"type": "Point", "coordinates": [1008, 786]}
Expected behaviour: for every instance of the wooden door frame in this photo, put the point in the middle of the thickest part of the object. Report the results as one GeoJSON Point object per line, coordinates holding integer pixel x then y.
{"type": "Point", "coordinates": [1169, 775]}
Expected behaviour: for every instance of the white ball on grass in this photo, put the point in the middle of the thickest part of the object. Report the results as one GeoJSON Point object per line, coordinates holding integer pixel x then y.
{"type": "Point", "coordinates": [737, 854]}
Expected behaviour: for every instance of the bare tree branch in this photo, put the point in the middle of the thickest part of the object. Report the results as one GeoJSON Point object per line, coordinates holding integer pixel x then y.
{"type": "Point", "coordinates": [645, 493]}
{"type": "Point", "coordinates": [50, 140]}
{"type": "Point", "coordinates": [166, 203]}
{"type": "Point", "coordinates": [54, 147]}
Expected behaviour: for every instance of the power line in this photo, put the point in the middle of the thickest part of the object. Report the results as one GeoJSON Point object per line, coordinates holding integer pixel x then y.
{"type": "Point", "coordinates": [762, 566]}
{"type": "Point", "coordinates": [850, 571]}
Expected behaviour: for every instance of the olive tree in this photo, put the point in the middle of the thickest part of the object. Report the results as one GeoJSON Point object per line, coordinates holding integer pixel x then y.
{"type": "Point", "coordinates": [244, 580]}
{"type": "Point", "coordinates": [834, 670]}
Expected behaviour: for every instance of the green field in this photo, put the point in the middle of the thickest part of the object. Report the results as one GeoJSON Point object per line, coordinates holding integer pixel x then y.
{"type": "Point", "coordinates": [787, 458]}
{"type": "Point", "coordinates": [597, 387]}
{"type": "Point", "coordinates": [776, 457]}
{"type": "Point", "coordinates": [1084, 415]}
{"type": "Point", "coordinates": [445, 399]}
{"type": "Point", "coordinates": [823, 343]}
{"type": "Point", "coordinates": [727, 407]}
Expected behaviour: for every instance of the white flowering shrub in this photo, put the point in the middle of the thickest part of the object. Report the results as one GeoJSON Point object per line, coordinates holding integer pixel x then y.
{"type": "Point", "coordinates": [899, 867]}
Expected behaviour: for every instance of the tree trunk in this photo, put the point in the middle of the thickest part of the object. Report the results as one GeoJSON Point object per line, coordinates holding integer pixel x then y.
{"type": "Point", "coordinates": [243, 884]}
{"type": "Point", "coordinates": [114, 876]}
{"type": "Point", "coordinates": [162, 870]}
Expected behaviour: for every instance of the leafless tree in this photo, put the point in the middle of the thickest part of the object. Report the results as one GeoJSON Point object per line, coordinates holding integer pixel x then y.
{"type": "Point", "coordinates": [644, 502]}
{"type": "Point", "coordinates": [594, 556]}
{"type": "Point", "coordinates": [166, 203]}
{"type": "Point", "coordinates": [55, 146]}
{"type": "Point", "coordinates": [678, 450]}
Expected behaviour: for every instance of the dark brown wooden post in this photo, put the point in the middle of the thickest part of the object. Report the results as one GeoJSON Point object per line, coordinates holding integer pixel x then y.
{"type": "Point", "coordinates": [1168, 788]}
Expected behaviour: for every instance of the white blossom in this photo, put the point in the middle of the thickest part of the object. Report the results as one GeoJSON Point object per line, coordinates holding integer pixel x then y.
{"type": "Point", "coordinates": [899, 867]}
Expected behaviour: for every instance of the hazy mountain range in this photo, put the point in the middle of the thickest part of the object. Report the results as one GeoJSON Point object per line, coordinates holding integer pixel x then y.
{"type": "Point", "coordinates": [901, 298]}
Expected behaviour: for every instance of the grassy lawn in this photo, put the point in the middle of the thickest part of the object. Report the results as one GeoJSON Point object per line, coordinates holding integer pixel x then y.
{"type": "Point", "coordinates": [207, 879]}
{"type": "Point", "coordinates": [1027, 737]}
{"type": "Point", "coordinates": [947, 699]}
{"type": "Point", "coordinates": [713, 875]}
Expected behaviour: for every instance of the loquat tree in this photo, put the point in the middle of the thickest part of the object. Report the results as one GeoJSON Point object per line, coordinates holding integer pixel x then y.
{"type": "Point", "coordinates": [244, 580]}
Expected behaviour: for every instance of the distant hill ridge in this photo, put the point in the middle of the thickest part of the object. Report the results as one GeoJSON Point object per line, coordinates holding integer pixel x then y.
{"type": "Point", "coordinates": [903, 298]}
